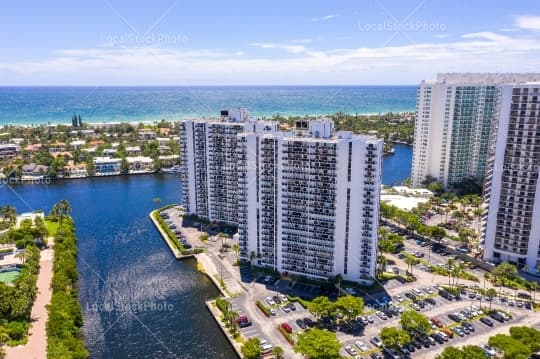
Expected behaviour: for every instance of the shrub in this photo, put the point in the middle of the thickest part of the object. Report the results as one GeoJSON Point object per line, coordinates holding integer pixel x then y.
{"type": "Point", "coordinates": [263, 308]}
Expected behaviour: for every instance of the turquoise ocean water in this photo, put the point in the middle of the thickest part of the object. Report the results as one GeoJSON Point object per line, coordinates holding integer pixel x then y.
{"type": "Point", "coordinates": [39, 105]}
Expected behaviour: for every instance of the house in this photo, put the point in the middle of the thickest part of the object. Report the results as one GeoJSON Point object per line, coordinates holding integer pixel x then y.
{"type": "Point", "coordinates": [34, 172]}
{"type": "Point", "coordinates": [9, 150]}
{"type": "Point", "coordinates": [164, 150]}
{"type": "Point", "coordinates": [146, 135]}
{"type": "Point", "coordinates": [164, 131]}
{"type": "Point", "coordinates": [109, 152]}
{"type": "Point", "coordinates": [169, 160]}
{"type": "Point", "coordinates": [162, 141]}
{"type": "Point", "coordinates": [107, 166]}
{"type": "Point", "coordinates": [34, 148]}
{"type": "Point", "coordinates": [96, 143]}
{"type": "Point", "coordinates": [57, 147]}
{"type": "Point", "coordinates": [72, 170]}
{"type": "Point", "coordinates": [140, 164]}
{"type": "Point", "coordinates": [133, 151]}
{"type": "Point", "coordinates": [78, 143]}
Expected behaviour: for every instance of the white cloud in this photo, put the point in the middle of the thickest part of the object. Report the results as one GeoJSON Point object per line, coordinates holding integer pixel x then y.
{"type": "Point", "coordinates": [528, 22]}
{"type": "Point", "coordinates": [485, 35]}
{"type": "Point", "coordinates": [324, 18]}
{"type": "Point", "coordinates": [288, 64]}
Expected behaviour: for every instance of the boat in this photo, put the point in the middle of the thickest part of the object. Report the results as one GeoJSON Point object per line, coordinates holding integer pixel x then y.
{"type": "Point", "coordinates": [173, 169]}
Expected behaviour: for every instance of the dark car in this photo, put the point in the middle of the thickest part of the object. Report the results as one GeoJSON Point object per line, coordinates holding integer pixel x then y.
{"type": "Point", "coordinates": [430, 301]}
{"type": "Point", "coordinates": [391, 353]}
{"type": "Point", "coordinates": [301, 323]}
{"type": "Point", "coordinates": [276, 299]}
{"type": "Point", "coordinates": [410, 296]}
{"type": "Point", "coordinates": [291, 306]}
{"type": "Point", "coordinates": [416, 344]}
{"type": "Point", "coordinates": [438, 338]}
{"type": "Point", "coordinates": [454, 317]}
{"type": "Point", "coordinates": [497, 316]}
{"type": "Point", "coordinates": [486, 321]}
{"type": "Point", "coordinates": [310, 323]}
{"type": "Point", "coordinates": [468, 325]}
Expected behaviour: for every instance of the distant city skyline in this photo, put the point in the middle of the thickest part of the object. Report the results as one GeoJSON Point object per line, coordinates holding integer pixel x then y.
{"type": "Point", "coordinates": [112, 42]}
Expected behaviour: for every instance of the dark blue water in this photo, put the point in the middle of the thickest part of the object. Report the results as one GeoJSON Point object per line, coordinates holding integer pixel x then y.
{"type": "Point", "coordinates": [137, 300]}
{"type": "Point", "coordinates": [397, 167]}
{"type": "Point", "coordinates": [38, 105]}
{"type": "Point", "coordinates": [124, 263]}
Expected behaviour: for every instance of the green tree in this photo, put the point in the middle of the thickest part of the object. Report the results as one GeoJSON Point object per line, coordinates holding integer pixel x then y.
{"type": "Point", "coordinates": [350, 306]}
{"type": "Point", "coordinates": [411, 319]}
{"type": "Point", "coordinates": [322, 307]}
{"type": "Point", "coordinates": [466, 352]}
{"type": "Point", "coordinates": [318, 344]}
{"type": "Point", "coordinates": [251, 348]}
{"type": "Point", "coordinates": [512, 348]}
{"type": "Point", "coordinates": [528, 336]}
{"type": "Point", "coordinates": [491, 292]}
{"type": "Point", "coordinates": [278, 352]}
{"type": "Point", "coordinates": [393, 337]}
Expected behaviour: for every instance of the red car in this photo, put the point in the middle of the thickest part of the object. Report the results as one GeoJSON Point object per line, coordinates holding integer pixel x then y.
{"type": "Point", "coordinates": [241, 318]}
{"type": "Point", "coordinates": [437, 322]}
{"type": "Point", "coordinates": [287, 327]}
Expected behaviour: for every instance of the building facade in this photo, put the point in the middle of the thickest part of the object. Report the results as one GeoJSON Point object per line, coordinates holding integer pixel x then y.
{"type": "Point", "coordinates": [512, 189]}
{"type": "Point", "coordinates": [309, 201]}
{"type": "Point", "coordinates": [454, 117]}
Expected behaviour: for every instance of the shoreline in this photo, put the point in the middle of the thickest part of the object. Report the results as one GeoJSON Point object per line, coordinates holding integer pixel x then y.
{"type": "Point", "coordinates": [154, 120]}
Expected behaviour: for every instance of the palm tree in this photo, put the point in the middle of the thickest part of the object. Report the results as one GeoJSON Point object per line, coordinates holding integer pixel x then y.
{"type": "Point", "coordinates": [236, 249]}
{"type": "Point", "coordinates": [491, 293]}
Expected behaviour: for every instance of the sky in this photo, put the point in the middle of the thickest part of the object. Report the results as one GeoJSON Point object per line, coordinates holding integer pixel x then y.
{"type": "Point", "coordinates": [174, 42]}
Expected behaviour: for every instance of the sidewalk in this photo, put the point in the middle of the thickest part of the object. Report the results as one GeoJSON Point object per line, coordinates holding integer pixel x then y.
{"type": "Point", "coordinates": [36, 348]}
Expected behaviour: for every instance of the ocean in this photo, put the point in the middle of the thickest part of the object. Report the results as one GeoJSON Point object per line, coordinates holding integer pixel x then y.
{"type": "Point", "coordinates": [42, 105]}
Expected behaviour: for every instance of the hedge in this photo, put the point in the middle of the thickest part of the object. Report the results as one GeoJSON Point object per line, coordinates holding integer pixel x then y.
{"type": "Point", "coordinates": [263, 308]}
{"type": "Point", "coordinates": [288, 337]}
{"type": "Point", "coordinates": [222, 305]}
{"type": "Point", "coordinates": [64, 337]}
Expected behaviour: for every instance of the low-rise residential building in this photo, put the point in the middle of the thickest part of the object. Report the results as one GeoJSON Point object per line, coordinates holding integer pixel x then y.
{"type": "Point", "coordinates": [107, 166]}
{"type": "Point", "coordinates": [109, 152]}
{"type": "Point", "coordinates": [33, 171]}
{"type": "Point", "coordinates": [169, 161]}
{"type": "Point", "coordinates": [133, 150]}
{"type": "Point", "coordinates": [77, 143]}
{"type": "Point", "coordinates": [34, 147]}
{"type": "Point", "coordinates": [146, 135]}
{"type": "Point", "coordinates": [9, 150]}
{"type": "Point", "coordinates": [75, 170]}
{"type": "Point", "coordinates": [163, 141]}
{"type": "Point", "coordinates": [140, 164]}
{"type": "Point", "coordinates": [57, 147]}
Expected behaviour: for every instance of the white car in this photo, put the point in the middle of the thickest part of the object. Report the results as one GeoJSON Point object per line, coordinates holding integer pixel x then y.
{"type": "Point", "coordinates": [285, 309]}
{"type": "Point", "coordinates": [488, 350]}
{"type": "Point", "coordinates": [270, 301]}
{"type": "Point", "coordinates": [283, 298]}
{"type": "Point", "coordinates": [370, 319]}
{"type": "Point", "coordinates": [272, 312]}
{"type": "Point", "coordinates": [381, 315]}
{"type": "Point", "coordinates": [417, 291]}
{"type": "Point", "coordinates": [399, 298]}
{"type": "Point", "coordinates": [377, 341]}
{"type": "Point", "coordinates": [361, 345]}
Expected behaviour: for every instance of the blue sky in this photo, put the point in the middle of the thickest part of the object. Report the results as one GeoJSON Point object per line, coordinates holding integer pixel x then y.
{"type": "Point", "coordinates": [173, 42]}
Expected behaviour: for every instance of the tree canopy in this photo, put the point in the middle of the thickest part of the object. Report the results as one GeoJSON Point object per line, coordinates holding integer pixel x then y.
{"type": "Point", "coordinates": [251, 348]}
{"type": "Point", "coordinates": [411, 319]}
{"type": "Point", "coordinates": [466, 352]}
{"type": "Point", "coordinates": [318, 344]}
{"type": "Point", "coordinates": [393, 337]}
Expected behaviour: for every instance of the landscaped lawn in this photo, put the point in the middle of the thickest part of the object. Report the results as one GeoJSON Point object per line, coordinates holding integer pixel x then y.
{"type": "Point", "coordinates": [52, 226]}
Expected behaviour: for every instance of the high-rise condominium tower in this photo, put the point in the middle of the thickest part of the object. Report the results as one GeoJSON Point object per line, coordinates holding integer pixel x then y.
{"type": "Point", "coordinates": [309, 201]}
{"type": "Point", "coordinates": [306, 202]}
{"type": "Point", "coordinates": [512, 188]}
{"type": "Point", "coordinates": [454, 116]}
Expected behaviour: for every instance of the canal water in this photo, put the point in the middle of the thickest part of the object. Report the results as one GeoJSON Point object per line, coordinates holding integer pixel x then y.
{"type": "Point", "coordinates": [137, 300]}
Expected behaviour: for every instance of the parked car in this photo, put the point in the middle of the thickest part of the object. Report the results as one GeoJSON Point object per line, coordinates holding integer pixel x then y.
{"type": "Point", "coordinates": [283, 298]}
{"type": "Point", "coordinates": [488, 350]}
{"type": "Point", "coordinates": [437, 322]}
{"type": "Point", "coordinates": [310, 323]}
{"type": "Point", "coordinates": [285, 309]}
{"type": "Point", "coordinates": [458, 331]}
{"type": "Point", "coordinates": [287, 327]}
{"type": "Point", "coordinates": [301, 324]}
{"type": "Point", "coordinates": [270, 301]}
{"type": "Point", "coordinates": [350, 350]}
{"type": "Point", "coordinates": [469, 326]}
{"type": "Point", "coordinates": [391, 353]}
{"type": "Point", "coordinates": [291, 306]}
{"type": "Point", "coordinates": [381, 315]}
{"type": "Point", "coordinates": [363, 347]}
{"type": "Point", "coordinates": [375, 340]}
{"type": "Point", "coordinates": [486, 321]}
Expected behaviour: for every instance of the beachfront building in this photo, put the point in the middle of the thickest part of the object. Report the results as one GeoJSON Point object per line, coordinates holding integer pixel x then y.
{"type": "Point", "coordinates": [454, 116]}
{"type": "Point", "coordinates": [32, 171]}
{"type": "Point", "coordinates": [107, 166]}
{"type": "Point", "coordinates": [140, 164]}
{"type": "Point", "coordinates": [309, 201]}
{"type": "Point", "coordinates": [512, 188]}
{"type": "Point", "coordinates": [208, 161]}
{"type": "Point", "coordinates": [146, 135]}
